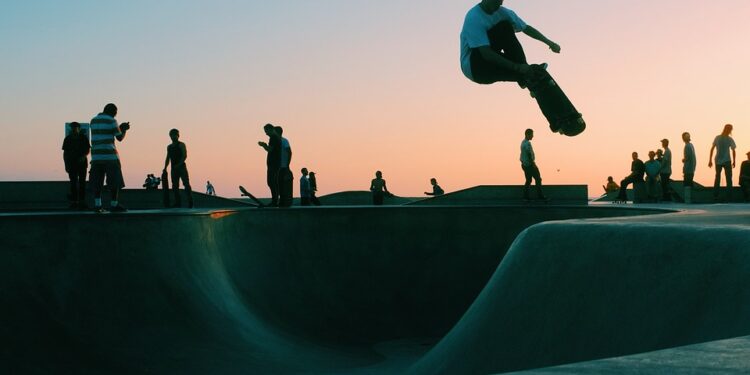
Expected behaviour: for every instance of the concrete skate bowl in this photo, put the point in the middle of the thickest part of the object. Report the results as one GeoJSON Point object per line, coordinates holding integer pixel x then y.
{"type": "Point", "coordinates": [349, 290]}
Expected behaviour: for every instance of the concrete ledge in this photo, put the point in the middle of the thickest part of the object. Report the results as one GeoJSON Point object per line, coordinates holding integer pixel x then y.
{"type": "Point", "coordinates": [504, 194]}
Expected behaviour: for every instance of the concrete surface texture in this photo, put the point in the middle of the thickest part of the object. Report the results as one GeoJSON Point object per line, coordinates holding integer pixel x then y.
{"type": "Point", "coordinates": [365, 290]}
{"type": "Point", "coordinates": [722, 357]}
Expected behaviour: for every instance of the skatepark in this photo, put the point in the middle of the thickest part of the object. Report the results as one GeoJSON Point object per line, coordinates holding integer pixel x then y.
{"type": "Point", "coordinates": [412, 289]}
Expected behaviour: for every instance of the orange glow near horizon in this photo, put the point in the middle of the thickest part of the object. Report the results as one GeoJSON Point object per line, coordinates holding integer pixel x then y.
{"type": "Point", "coordinates": [380, 92]}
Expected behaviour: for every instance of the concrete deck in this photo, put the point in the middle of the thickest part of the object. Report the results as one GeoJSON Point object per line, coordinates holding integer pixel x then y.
{"type": "Point", "coordinates": [367, 290]}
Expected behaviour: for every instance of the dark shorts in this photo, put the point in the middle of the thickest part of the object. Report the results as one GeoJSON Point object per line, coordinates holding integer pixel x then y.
{"type": "Point", "coordinates": [109, 168]}
{"type": "Point", "coordinates": [503, 40]}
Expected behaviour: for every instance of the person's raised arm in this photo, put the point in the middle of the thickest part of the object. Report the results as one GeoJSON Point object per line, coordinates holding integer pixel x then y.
{"type": "Point", "coordinates": [536, 34]}
{"type": "Point", "coordinates": [265, 146]}
{"type": "Point", "coordinates": [124, 127]}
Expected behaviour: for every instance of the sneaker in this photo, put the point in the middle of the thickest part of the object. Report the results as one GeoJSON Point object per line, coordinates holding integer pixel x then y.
{"type": "Point", "coordinates": [98, 210]}
{"type": "Point", "coordinates": [118, 208]}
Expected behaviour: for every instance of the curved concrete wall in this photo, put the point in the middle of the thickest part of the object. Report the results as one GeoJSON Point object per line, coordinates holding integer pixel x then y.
{"type": "Point", "coordinates": [611, 289]}
{"type": "Point", "coordinates": [251, 289]}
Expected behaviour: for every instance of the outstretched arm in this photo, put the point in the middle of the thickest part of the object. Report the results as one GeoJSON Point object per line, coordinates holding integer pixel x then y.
{"type": "Point", "coordinates": [535, 34]}
{"type": "Point", "coordinates": [497, 59]}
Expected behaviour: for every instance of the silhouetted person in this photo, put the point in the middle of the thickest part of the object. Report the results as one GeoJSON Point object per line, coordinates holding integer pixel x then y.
{"type": "Point", "coordinates": [378, 188]}
{"type": "Point", "coordinates": [75, 149]}
{"type": "Point", "coordinates": [722, 143]}
{"type": "Point", "coordinates": [151, 182]}
{"type": "Point", "coordinates": [688, 167]}
{"type": "Point", "coordinates": [436, 189]}
{"type": "Point", "coordinates": [666, 170]}
{"type": "Point", "coordinates": [490, 51]}
{"type": "Point", "coordinates": [105, 160]}
{"type": "Point", "coordinates": [313, 189]}
{"type": "Point", "coordinates": [611, 186]}
{"type": "Point", "coordinates": [304, 188]}
{"type": "Point", "coordinates": [652, 168]}
{"type": "Point", "coordinates": [745, 178]}
{"type": "Point", "coordinates": [286, 178]}
{"type": "Point", "coordinates": [528, 164]}
{"type": "Point", "coordinates": [637, 169]}
{"type": "Point", "coordinates": [210, 188]}
{"type": "Point", "coordinates": [177, 154]}
{"type": "Point", "coordinates": [273, 162]}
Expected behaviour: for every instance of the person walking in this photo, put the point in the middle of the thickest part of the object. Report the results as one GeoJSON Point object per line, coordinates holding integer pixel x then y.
{"type": "Point", "coordinates": [528, 164]}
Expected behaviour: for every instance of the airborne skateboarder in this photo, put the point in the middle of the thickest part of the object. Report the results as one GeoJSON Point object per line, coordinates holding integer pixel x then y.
{"type": "Point", "coordinates": [490, 52]}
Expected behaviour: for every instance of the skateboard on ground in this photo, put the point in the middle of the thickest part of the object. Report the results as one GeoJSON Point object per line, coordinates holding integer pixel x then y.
{"type": "Point", "coordinates": [562, 115]}
{"type": "Point", "coordinates": [165, 188]}
{"type": "Point", "coordinates": [245, 193]}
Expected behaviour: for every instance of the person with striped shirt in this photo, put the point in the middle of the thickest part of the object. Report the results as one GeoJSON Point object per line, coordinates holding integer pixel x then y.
{"type": "Point", "coordinates": [105, 161]}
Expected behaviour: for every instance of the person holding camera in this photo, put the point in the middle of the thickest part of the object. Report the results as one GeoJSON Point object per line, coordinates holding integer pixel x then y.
{"type": "Point", "coordinates": [105, 161]}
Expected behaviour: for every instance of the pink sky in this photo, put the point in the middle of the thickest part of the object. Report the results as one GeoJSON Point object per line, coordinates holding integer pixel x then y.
{"type": "Point", "coordinates": [365, 86]}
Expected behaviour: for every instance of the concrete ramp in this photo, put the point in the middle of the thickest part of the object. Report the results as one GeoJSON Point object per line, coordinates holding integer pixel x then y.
{"type": "Point", "coordinates": [580, 290]}
{"type": "Point", "coordinates": [317, 290]}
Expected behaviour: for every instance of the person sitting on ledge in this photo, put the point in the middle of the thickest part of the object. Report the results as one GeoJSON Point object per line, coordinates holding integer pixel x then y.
{"type": "Point", "coordinates": [436, 189]}
{"type": "Point", "coordinates": [637, 169]}
{"type": "Point", "coordinates": [611, 186]}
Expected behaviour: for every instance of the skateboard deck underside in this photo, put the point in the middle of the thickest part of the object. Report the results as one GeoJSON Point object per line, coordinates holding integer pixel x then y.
{"type": "Point", "coordinates": [560, 112]}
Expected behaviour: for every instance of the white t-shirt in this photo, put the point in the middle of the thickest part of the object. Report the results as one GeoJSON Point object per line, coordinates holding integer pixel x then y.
{"type": "Point", "coordinates": [527, 153]}
{"type": "Point", "coordinates": [284, 156]}
{"type": "Point", "coordinates": [722, 144]}
{"type": "Point", "coordinates": [474, 32]}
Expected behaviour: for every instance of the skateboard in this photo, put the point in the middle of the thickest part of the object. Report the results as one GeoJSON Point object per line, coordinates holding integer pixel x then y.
{"type": "Point", "coordinates": [165, 188]}
{"type": "Point", "coordinates": [245, 193]}
{"type": "Point", "coordinates": [562, 115]}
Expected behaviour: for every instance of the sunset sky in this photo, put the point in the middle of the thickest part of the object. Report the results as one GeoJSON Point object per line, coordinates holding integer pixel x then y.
{"type": "Point", "coordinates": [361, 86]}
